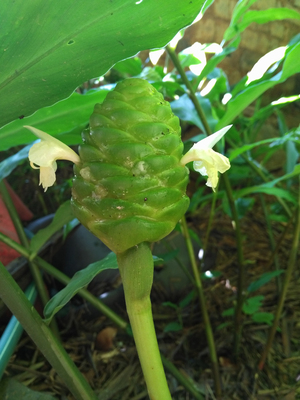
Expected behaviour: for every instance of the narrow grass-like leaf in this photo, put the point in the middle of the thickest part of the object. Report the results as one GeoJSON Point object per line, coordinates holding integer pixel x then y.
{"type": "Point", "coordinates": [80, 280]}
{"type": "Point", "coordinates": [276, 141]}
{"type": "Point", "coordinates": [264, 16]}
{"type": "Point", "coordinates": [263, 279]}
{"type": "Point", "coordinates": [62, 216]}
{"type": "Point", "coordinates": [284, 194]}
{"type": "Point", "coordinates": [10, 163]}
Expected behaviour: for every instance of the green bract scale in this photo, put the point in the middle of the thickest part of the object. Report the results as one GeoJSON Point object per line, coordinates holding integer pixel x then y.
{"type": "Point", "coordinates": [130, 187]}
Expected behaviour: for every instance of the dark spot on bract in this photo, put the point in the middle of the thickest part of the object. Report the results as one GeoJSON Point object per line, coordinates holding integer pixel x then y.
{"type": "Point", "coordinates": [145, 199]}
{"type": "Point", "coordinates": [71, 41]}
{"type": "Point", "coordinates": [21, 116]}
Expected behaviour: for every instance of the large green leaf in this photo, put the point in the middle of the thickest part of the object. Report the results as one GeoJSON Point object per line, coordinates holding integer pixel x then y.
{"type": "Point", "coordinates": [47, 49]}
{"type": "Point", "coordinates": [237, 104]}
{"type": "Point", "coordinates": [67, 115]}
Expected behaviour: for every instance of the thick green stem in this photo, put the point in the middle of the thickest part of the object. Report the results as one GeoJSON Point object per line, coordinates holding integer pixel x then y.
{"type": "Point", "coordinates": [136, 268]}
{"type": "Point", "coordinates": [85, 294]}
{"type": "Point", "coordinates": [189, 86]}
{"type": "Point", "coordinates": [202, 300]}
{"type": "Point", "coordinates": [209, 334]}
{"type": "Point", "coordinates": [39, 332]}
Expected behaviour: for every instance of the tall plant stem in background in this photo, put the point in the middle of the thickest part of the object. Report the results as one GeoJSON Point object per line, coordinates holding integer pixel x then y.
{"type": "Point", "coordinates": [188, 85]}
{"type": "Point", "coordinates": [202, 300]}
{"type": "Point", "coordinates": [37, 277]}
{"type": "Point", "coordinates": [287, 278]}
{"type": "Point", "coordinates": [241, 264]}
{"type": "Point", "coordinates": [95, 302]}
{"type": "Point", "coordinates": [284, 335]}
{"type": "Point", "coordinates": [210, 220]}
{"type": "Point", "coordinates": [137, 268]}
{"type": "Point", "coordinates": [39, 332]}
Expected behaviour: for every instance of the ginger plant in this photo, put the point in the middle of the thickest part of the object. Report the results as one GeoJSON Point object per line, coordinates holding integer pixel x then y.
{"type": "Point", "coordinates": [129, 189]}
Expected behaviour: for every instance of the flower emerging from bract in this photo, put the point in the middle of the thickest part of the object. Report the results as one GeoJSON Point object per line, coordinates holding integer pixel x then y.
{"type": "Point", "coordinates": [43, 156]}
{"type": "Point", "coordinates": [207, 161]}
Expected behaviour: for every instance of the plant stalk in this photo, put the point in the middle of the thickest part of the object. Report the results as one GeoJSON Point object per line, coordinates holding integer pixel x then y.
{"type": "Point", "coordinates": [189, 87]}
{"type": "Point", "coordinates": [45, 340]}
{"type": "Point", "coordinates": [287, 278]}
{"type": "Point", "coordinates": [137, 268]}
{"type": "Point", "coordinates": [202, 301]}
{"type": "Point", "coordinates": [241, 277]}
{"type": "Point", "coordinates": [284, 335]}
{"type": "Point", "coordinates": [94, 301]}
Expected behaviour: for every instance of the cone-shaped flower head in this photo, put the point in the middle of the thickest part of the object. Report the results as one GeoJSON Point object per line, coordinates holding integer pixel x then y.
{"type": "Point", "coordinates": [130, 185]}
{"type": "Point", "coordinates": [43, 156]}
{"type": "Point", "coordinates": [207, 161]}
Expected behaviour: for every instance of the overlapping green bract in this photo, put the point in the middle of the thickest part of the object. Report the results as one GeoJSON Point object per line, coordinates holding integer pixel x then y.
{"type": "Point", "coordinates": [130, 187]}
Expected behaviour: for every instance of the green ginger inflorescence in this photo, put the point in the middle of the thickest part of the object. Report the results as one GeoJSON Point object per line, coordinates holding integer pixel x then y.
{"type": "Point", "coordinates": [130, 187]}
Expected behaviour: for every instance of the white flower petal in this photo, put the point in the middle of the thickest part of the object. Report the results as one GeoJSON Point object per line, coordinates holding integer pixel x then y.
{"type": "Point", "coordinates": [210, 164]}
{"type": "Point", "coordinates": [207, 161]}
{"type": "Point", "coordinates": [54, 147]}
{"type": "Point", "coordinates": [47, 176]}
{"type": "Point", "coordinates": [43, 155]}
{"type": "Point", "coordinates": [211, 140]}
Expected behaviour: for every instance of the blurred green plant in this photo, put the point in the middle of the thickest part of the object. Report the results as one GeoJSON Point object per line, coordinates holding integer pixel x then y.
{"type": "Point", "coordinates": [200, 95]}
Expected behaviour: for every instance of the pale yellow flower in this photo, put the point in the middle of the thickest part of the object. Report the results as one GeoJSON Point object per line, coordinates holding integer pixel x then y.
{"type": "Point", "coordinates": [207, 161]}
{"type": "Point", "coordinates": [43, 156]}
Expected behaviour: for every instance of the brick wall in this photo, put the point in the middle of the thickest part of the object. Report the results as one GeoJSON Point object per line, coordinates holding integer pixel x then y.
{"type": "Point", "coordinates": [256, 41]}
